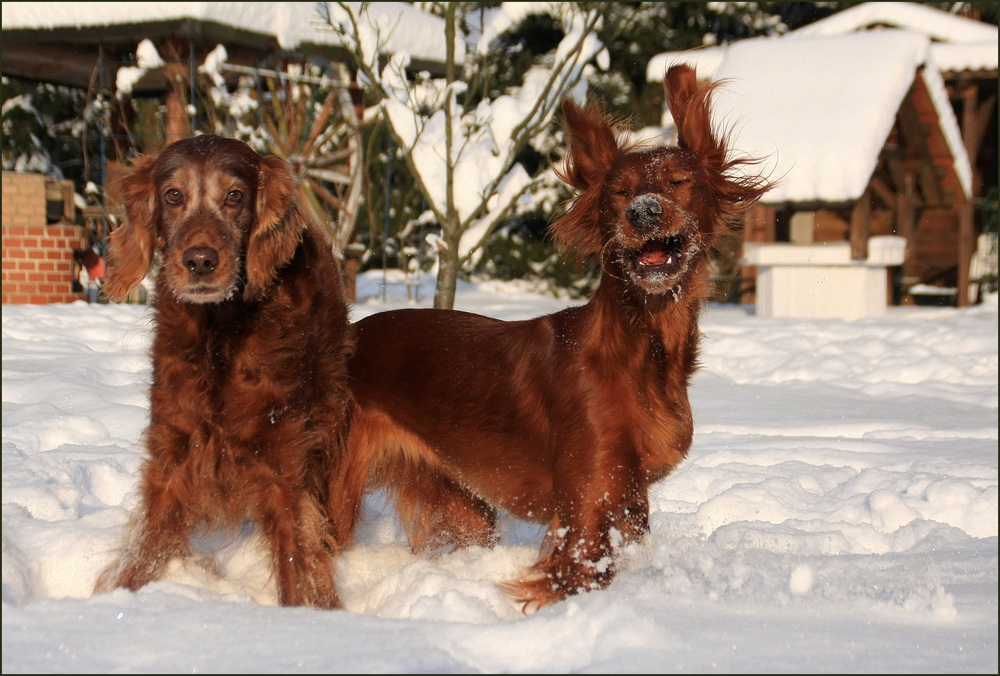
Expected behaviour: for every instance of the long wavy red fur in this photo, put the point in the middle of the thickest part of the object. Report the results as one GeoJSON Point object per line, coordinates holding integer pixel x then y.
{"type": "Point", "coordinates": [247, 414]}
{"type": "Point", "coordinates": [568, 418]}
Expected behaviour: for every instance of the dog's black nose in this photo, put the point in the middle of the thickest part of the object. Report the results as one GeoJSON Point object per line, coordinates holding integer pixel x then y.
{"type": "Point", "coordinates": [201, 260]}
{"type": "Point", "coordinates": [644, 212]}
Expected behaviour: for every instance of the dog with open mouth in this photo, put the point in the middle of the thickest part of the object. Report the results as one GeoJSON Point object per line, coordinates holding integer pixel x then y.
{"type": "Point", "coordinates": [565, 419]}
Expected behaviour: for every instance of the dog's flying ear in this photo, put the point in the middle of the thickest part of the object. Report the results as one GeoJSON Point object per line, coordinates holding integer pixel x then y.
{"type": "Point", "coordinates": [593, 145]}
{"type": "Point", "coordinates": [689, 102]}
{"type": "Point", "coordinates": [133, 242]}
{"type": "Point", "coordinates": [277, 228]}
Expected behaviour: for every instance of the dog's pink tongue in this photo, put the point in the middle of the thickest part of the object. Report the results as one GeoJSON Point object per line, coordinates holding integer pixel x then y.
{"type": "Point", "coordinates": [653, 254]}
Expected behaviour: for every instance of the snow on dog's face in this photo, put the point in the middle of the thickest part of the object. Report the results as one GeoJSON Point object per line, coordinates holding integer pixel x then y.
{"type": "Point", "coordinates": [652, 214]}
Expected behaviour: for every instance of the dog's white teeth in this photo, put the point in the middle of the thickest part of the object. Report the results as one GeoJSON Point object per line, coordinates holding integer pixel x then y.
{"type": "Point", "coordinates": [670, 259]}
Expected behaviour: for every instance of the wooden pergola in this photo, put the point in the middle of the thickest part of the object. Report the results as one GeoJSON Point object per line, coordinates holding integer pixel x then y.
{"type": "Point", "coordinates": [914, 192]}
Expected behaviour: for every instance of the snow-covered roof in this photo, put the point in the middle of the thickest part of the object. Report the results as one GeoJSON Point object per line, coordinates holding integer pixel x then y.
{"type": "Point", "coordinates": [292, 24]}
{"type": "Point", "coordinates": [970, 56]}
{"type": "Point", "coordinates": [819, 108]}
{"type": "Point", "coordinates": [933, 23]}
{"type": "Point", "coordinates": [816, 110]}
{"type": "Point", "coordinates": [958, 43]}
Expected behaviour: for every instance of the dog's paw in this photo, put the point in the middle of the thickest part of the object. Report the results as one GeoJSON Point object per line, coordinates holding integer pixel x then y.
{"type": "Point", "coordinates": [532, 592]}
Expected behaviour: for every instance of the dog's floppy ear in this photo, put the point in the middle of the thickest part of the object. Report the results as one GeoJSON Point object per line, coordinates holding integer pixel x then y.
{"type": "Point", "coordinates": [593, 145]}
{"type": "Point", "coordinates": [689, 102]}
{"type": "Point", "coordinates": [689, 105]}
{"type": "Point", "coordinates": [593, 148]}
{"type": "Point", "coordinates": [277, 228]}
{"type": "Point", "coordinates": [133, 242]}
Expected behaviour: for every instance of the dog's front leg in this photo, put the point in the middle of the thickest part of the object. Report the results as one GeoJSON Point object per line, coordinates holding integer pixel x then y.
{"type": "Point", "coordinates": [300, 536]}
{"type": "Point", "coordinates": [596, 510]}
{"type": "Point", "coordinates": [158, 532]}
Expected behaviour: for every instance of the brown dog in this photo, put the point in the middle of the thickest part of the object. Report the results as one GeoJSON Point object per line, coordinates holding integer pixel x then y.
{"type": "Point", "coordinates": [567, 418]}
{"type": "Point", "coordinates": [247, 416]}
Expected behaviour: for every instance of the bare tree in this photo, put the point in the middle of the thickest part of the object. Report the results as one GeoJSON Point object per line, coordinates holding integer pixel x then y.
{"type": "Point", "coordinates": [462, 151]}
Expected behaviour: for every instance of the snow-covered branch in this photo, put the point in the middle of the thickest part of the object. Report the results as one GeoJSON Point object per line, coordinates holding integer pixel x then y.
{"type": "Point", "coordinates": [462, 152]}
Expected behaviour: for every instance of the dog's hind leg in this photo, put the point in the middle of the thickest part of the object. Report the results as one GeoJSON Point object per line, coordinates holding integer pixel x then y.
{"type": "Point", "coordinates": [436, 511]}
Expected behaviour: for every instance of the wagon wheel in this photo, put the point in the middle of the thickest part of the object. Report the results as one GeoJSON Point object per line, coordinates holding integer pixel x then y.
{"type": "Point", "coordinates": [321, 139]}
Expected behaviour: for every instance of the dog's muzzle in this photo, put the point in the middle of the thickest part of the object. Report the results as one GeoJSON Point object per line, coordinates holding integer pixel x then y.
{"type": "Point", "coordinates": [644, 213]}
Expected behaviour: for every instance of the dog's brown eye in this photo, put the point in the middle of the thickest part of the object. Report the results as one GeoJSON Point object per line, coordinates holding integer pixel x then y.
{"type": "Point", "coordinates": [679, 181]}
{"type": "Point", "coordinates": [173, 196]}
{"type": "Point", "coordinates": [234, 198]}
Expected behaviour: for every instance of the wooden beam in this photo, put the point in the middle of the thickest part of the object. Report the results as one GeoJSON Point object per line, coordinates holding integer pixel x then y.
{"type": "Point", "coordinates": [883, 191]}
{"type": "Point", "coordinates": [966, 244]}
{"type": "Point", "coordinates": [906, 211]}
{"type": "Point", "coordinates": [759, 223]}
{"type": "Point", "coordinates": [861, 224]}
{"type": "Point", "coordinates": [917, 135]}
{"type": "Point", "coordinates": [906, 226]}
{"type": "Point", "coordinates": [975, 119]}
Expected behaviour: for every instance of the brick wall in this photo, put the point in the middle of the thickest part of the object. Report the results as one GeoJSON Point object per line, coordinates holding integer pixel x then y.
{"type": "Point", "coordinates": [37, 258]}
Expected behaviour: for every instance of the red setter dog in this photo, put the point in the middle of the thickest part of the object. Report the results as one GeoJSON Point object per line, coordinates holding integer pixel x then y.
{"type": "Point", "coordinates": [568, 418]}
{"type": "Point", "coordinates": [247, 416]}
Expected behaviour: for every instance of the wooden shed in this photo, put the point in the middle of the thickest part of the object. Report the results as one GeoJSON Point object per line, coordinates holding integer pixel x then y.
{"type": "Point", "coordinates": [860, 132]}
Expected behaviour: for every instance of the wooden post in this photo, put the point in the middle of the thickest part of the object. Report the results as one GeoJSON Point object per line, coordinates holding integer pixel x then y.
{"type": "Point", "coordinates": [973, 129]}
{"type": "Point", "coordinates": [352, 261]}
{"type": "Point", "coordinates": [178, 126]}
{"type": "Point", "coordinates": [861, 223]}
{"type": "Point", "coordinates": [966, 235]}
{"type": "Point", "coordinates": [759, 225]}
{"type": "Point", "coordinates": [906, 226]}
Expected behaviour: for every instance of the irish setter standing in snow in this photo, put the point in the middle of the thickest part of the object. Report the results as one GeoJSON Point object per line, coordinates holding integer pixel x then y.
{"type": "Point", "coordinates": [567, 418]}
{"type": "Point", "coordinates": [247, 413]}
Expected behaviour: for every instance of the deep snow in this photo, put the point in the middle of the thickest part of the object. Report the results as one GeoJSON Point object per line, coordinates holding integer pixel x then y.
{"type": "Point", "coordinates": [837, 513]}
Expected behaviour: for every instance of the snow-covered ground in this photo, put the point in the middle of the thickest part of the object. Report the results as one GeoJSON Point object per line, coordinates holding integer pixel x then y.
{"type": "Point", "coordinates": [837, 513]}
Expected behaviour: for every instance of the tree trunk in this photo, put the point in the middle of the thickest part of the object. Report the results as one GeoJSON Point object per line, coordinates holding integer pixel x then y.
{"type": "Point", "coordinates": [447, 279]}
{"type": "Point", "coordinates": [448, 263]}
